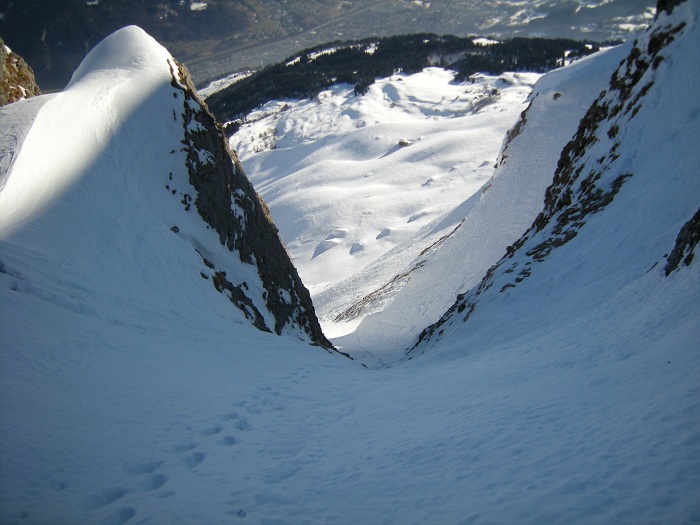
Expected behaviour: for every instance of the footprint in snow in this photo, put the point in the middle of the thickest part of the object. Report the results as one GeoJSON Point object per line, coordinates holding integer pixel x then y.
{"type": "Point", "coordinates": [154, 482]}
{"type": "Point", "coordinates": [185, 447]}
{"type": "Point", "coordinates": [211, 431]}
{"type": "Point", "coordinates": [143, 468]}
{"type": "Point", "coordinates": [280, 474]}
{"type": "Point", "coordinates": [243, 425]}
{"type": "Point", "coordinates": [230, 416]}
{"type": "Point", "coordinates": [103, 498]}
{"type": "Point", "coordinates": [228, 441]}
{"type": "Point", "coordinates": [194, 459]}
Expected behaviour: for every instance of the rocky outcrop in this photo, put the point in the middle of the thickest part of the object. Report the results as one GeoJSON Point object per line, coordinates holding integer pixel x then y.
{"type": "Point", "coordinates": [228, 203]}
{"type": "Point", "coordinates": [667, 5]}
{"type": "Point", "coordinates": [16, 77]}
{"type": "Point", "coordinates": [684, 249]}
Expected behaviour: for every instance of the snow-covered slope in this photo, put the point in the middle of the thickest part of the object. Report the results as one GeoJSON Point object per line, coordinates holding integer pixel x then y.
{"type": "Point", "coordinates": [130, 395]}
{"type": "Point", "coordinates": [130, 243]}
{"type": "Point", "coordinates": [400, 293]}
{"type": "Point", "coordinates": [341, 187]}
{"type": "Point", "coordinates": [624, 187]}
{"type": "Point", "coordinates": [127, 164]}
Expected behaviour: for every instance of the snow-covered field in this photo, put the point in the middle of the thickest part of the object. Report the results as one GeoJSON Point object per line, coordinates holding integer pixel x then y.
{"type": "Point", "coordinates": [129, 393]}
{"type": "Point", "coordinates": [351, 177]}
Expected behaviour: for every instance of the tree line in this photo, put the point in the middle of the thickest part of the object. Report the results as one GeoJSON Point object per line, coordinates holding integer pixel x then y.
{"type": "Point", "coordinates": [360, 62]}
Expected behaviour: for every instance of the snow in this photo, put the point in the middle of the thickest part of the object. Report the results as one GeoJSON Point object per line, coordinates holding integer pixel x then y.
{"type": "Point", "coordinates": [198, 6]}
{"type": "Point", "coordinates": [129, 393]}
{"type": "Point", "coordinates": [488, 222]}
{"type": "Point", "coordinates": [217, 85]}
{"type": "Point", "coordinates": [15, 121]}
{"type": "Point", "coordinates": [446, 178]}
{"type": "Point", "coordinates": [337, 162]}
{"type": "Point", "coordinates": [485, 41]}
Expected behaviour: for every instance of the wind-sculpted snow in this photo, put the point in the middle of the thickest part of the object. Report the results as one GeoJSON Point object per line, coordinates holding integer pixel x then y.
{"type": "Point", "coordinates": [128, 50]}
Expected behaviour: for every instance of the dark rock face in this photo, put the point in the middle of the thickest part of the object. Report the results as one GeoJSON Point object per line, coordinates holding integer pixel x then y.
{"type": "Point", "coordinates": [582, 186]}
{"type": "Point", "coordinates": [667, 5]}
{"type": "Point", "coordinates": [227, 202]}
{"type": "Point", "coordinates": [684, 250]}
{"type": "Point", "coordinates": [16, 77]}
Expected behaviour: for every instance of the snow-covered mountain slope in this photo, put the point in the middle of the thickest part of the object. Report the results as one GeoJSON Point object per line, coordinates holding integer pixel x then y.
{"type": "Point", "coordinates": [141, 398]}
{"type": "Point", "coordinates": [400, 293]}
{"type": "Point", "coordinates": [132, 250]}
{"type": "Point", "coordinates": [351, 177]}
{"type": "Point", "coordinates": [624, 187]}
{"type": "Point", "coordinates": [127, 164]}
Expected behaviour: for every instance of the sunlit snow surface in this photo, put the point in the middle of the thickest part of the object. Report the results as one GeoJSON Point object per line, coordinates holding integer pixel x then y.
{"type": "Point", "coordinates": [351, 177]}
{"type": "Point", "coordinates": [126, 396]}
{"type": "Point", "coordinates": [364, 217]}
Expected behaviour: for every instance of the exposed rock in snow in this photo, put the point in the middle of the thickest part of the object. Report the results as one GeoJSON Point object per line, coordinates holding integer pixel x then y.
{"type": "Point", "coordinates": [229, 204]}
{"type": "Point", "coordinates": [684, 251]}
{"type": "Point", "coordinates": [16, 77]}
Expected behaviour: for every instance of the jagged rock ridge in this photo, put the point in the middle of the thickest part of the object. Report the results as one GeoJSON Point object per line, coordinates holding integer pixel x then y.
{"type": "Point", "coordinates": [229, 204]}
